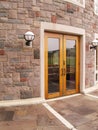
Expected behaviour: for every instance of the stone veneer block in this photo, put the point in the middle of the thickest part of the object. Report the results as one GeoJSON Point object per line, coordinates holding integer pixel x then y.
{"type": "Point", "coordinates": [3, 58]}
{"type": "Point", "coordinates": [36, 54]}
{"type": "Point", "coordinates": [25, 94]}
{"type": "Point", "coordinates": [6, 115]}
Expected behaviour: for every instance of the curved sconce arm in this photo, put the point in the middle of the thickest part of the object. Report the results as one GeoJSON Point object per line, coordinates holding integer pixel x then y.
{"type": "Point", "coordinates": [94, 44]}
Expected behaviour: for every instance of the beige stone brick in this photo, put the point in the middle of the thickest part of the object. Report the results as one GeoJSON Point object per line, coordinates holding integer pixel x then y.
{"type": "Point", "coordinates": [1, 67]}
{"type": "Point", "coordinates": [20, 4]}
{"type": "Point", "coordinates": [21, 16]}
{"type": "Point", "coordinates": [29, 21]}
{"type": "Point", "coordinates": [53, 19]}
{"type": "Point", "coordinates": [36, 24]}
{"type": "Point", "coordinates": [34, 2]}
{"type": "Point", "coordinates": [23, 26]}
{"type": "Point", "coordinates": [8, 26]}
{"type": "Point", "coordinates": [5, 5]}
{"type": "Point", "coordinates": [16, 77]}
{"type": "Point", "coordinates": [3, 19]}
{"type": "Point", "coordinates": [3, 33]}
{"type": "Point", "coordinates": [47, 1]}
{"type": "Point", "coordinates": [27, 4]}
{"type": "Point", "coordinates": [3, 58]}
{"type": "Point", "coordinates": [14, 5]}
{"type": "Point", "coordinates": [24, 59]}
{"type": "Point", "coordinates": [1, 75]}
{"type": "Point", "coordinates": [12, 14]}
{"type": "Point", "coordinates": [22, 11]}
{"type": "Point", "coordinates": [36, 8]}
{"type": "Point", "coordinates": [6, 81]}
{"type": "Point", "coordinates": [12, 54]}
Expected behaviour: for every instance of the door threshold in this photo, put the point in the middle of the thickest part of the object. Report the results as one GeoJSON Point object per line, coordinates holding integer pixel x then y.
{"type": "Point", "coordinates": [60, 98]}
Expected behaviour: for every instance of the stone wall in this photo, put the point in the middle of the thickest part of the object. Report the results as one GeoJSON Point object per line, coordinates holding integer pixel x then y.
{"type": "Point", "coordinates": [20, 65]}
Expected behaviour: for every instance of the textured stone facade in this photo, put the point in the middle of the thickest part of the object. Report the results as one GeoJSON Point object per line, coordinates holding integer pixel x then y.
{"type": "Point", "coordinates": [19, 65]}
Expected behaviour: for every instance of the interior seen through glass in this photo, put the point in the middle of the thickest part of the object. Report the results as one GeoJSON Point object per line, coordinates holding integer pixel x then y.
{"type": "Point", "coordinates": [70, 64]}
{"type": "Point", "coordinates": [53, 65]}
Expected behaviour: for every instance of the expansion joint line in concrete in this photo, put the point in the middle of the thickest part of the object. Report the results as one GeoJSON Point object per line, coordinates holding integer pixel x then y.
{"type": "Point", "coordinates": [90, 95]}
{"type": "Point", "coordinates": [59, 117]}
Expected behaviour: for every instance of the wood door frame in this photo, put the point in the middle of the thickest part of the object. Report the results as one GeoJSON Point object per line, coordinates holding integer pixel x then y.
{"type": "Point", "coordinates": [62, 38]}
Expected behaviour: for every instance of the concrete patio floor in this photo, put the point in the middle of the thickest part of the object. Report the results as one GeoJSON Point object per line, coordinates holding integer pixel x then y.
{"type": "Point", "coordinates": [78, 112]}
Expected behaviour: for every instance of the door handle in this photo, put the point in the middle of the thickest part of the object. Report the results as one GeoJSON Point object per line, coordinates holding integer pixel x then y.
{"type": "Point", "coordinates": [63, 71]}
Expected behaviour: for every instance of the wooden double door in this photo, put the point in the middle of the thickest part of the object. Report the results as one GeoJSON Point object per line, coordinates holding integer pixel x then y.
{"type": "Point", "coordinates": [62, 65]}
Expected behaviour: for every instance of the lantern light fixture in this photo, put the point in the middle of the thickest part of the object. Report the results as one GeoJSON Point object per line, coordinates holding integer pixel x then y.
{"type": "Point", "coordinates": [29, 37]}
{"type": "Point", "coordinates": [94, 44]}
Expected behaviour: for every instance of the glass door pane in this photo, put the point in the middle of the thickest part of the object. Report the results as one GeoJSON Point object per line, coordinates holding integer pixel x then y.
{"type": "Point", "coordinates": [70, 64]}
{"type": "Point", "coordinates": [53, 65]}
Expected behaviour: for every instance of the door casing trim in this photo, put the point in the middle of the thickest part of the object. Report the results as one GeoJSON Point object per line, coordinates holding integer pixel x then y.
{"type": "Point", "coordinates": [58, 28]}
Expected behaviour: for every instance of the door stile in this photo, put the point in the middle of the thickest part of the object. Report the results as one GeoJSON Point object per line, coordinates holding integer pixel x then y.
{"type": "Point", "coordinates": [64, 65]}
{"type": "Point", "coordinates": [77, 64]}
{"type": "Point", "coordinates": [61, 65]}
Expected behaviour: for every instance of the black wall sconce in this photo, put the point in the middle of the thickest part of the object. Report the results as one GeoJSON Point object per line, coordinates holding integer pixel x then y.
{"type": "Point", "coordinates": [29, 37]}
{"type": "Point", "coordinates": [94, 44]}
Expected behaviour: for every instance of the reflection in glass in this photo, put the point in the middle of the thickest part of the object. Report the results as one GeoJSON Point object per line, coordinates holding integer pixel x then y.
{"type": "Point", "coordinates": [53, 65]}
{"type": "Point", "coordinates": [70, 64]}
